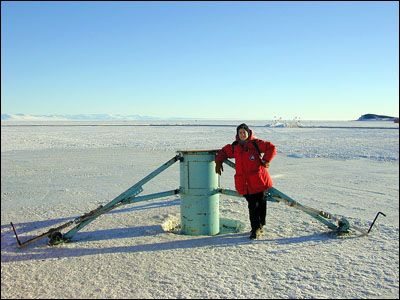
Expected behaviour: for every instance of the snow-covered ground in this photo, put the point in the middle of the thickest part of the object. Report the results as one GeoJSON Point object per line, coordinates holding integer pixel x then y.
{"type": "Point", "coordinates": [52, 172]}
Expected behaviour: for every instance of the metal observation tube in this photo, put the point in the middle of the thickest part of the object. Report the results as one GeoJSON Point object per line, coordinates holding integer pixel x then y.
{"type": "Point", "coordinates": [199, 186]}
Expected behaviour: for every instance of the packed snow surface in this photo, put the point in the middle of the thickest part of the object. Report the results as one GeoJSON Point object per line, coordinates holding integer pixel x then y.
{"type": "Point", "coordinates": [53, 172]}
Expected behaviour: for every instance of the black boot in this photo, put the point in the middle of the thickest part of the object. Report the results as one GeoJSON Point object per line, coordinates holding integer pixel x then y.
{"type": "Point", "coordinates": [255, 234]}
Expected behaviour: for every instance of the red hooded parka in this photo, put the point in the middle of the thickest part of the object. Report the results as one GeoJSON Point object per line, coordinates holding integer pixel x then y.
{"type": "Point", "coordinates": [251, 177]}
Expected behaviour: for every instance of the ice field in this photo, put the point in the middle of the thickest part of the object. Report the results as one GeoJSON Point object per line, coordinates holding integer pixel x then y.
{"type": "Point", "coordinates": [52, 172]}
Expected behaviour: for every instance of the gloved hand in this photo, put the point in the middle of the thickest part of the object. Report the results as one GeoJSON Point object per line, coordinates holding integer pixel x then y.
{"type": "Point", "coordinates": [218, 167]}
{"type": "Point", "coordinates": [265, 163]}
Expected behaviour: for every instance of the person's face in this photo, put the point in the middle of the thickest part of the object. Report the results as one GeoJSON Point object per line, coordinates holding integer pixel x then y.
{"type": "Point", "coordinates": [243, 134]}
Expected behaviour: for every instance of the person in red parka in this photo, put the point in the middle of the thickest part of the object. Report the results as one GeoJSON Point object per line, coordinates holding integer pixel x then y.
{"type": "Point", "coordinates": [252, 178]}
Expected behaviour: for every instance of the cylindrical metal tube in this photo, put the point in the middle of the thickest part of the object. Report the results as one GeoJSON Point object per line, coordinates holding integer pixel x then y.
{"type": "Point", "coordinates": [199, 186]}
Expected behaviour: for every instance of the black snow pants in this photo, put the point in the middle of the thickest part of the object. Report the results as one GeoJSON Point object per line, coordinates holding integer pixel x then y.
{"type": "Point", "coordinates": [257, 204]}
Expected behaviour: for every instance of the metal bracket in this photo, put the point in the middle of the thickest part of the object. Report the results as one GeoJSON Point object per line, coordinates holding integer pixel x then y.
{"type": "Point", "coordinates": [375, 220]}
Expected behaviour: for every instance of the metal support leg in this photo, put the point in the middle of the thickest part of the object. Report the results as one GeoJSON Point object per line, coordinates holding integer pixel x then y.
{"type": "Point", "coordinates": [128, 194]}
{"type": "Point", "coordinates": [342, 226]}
{"type": "Point", "coordinates": [275, 195]}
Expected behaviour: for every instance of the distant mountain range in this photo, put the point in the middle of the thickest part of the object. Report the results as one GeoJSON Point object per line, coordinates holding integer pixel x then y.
{"type": "Point", "coordinates": [119, 117]}
{"type": "Point", "coordinates": [80, 117]}
{"type": "Point", "coordinates": [373, 117]}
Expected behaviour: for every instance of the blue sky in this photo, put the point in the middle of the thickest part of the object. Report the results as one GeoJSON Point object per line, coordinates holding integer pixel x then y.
{"type": "Point", "coordinates": [218, 60]}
